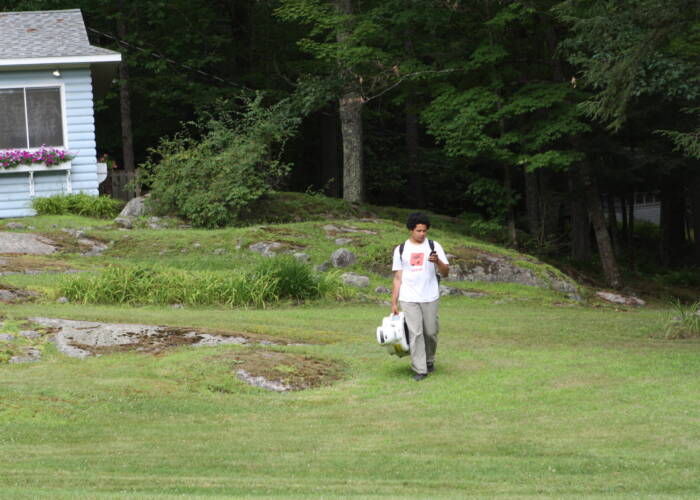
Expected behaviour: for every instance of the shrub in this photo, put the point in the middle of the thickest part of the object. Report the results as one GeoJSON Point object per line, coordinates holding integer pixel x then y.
{"type": "Point", "coordinates": [102, 207]}
{"type": "Point", "coordinates": [211, 172]}
{"type": "Point", "coordinates": [682, 277]}
{"type": "Point", "coordinates": [683, 321]}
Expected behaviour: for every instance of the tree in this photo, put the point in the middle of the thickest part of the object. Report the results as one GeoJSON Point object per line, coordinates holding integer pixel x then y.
{"type": "Point", "coordinates": [634, 54]}
{"type": "Point", "coordinates": [504, 110]}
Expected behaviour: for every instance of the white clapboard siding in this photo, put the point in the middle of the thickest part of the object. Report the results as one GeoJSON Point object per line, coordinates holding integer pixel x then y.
{"type": "Point", "coordinates": [15, 200]}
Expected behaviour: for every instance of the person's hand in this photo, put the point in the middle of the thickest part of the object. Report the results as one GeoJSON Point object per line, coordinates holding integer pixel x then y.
{"type": "Point", "coordinates": [394, 310]}
{"type": "Point", "coordinates": [433, 258]}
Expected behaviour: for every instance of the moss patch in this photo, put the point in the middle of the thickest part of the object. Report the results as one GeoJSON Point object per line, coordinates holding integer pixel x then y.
{"type": "Point", "coordinates": [30, 263]}
{"type": "Point", "coordinates": [296, 371]}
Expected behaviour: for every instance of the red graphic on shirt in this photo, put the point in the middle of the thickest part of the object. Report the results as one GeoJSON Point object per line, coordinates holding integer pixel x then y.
{"type": "Point", "coordinates": [417, 259]}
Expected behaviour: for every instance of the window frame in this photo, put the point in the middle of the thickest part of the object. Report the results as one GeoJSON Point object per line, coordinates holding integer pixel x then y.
{"type": "Point", "coordinates": [62, 97]}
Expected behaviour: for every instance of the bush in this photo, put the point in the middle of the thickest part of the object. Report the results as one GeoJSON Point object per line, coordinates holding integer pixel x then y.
{"type": "Point", "coordinates": [102, 207]}
{"type": "Point", "coordinates": [682, 277]}
{"type": "Point", "coordinates": [210, 173]}
{"type": "Point", "coordinates": [280, 278]}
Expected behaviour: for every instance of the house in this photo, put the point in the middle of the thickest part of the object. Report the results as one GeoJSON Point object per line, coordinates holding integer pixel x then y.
{"type": "Point", "coordinates": [647, 207]}
{"type": "Point", "coordinates": [49, 74]}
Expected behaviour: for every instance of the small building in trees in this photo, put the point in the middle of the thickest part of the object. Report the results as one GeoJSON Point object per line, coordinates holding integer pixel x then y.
{"type": "Point", "coordinates": [49, 76]}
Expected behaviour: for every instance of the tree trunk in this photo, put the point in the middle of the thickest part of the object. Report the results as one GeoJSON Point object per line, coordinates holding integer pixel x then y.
{"type": "Point", "coordinates": [605, 249]}
{"type": "Point", "coordinates": [612, 223]}
{"type": "Point", "coordinates": [695, 211]}
{"type": "Point", "coordinates": [415, 179]}
{"type": "Point", "coordinates": [510, 216]}
{"type": "Point", "coordinates": [580, 222]}
{"type": "Point", "coordinates": [672, 221]}
{"type": "Point", "coordinates": [330, 173]}
{"type": "Point", "coordinates": [625, 220]}
{"type": "Point", "coordinates": [351, 124]}
{"type": "Point", "coordinates": [125, 103]}
{"type": "Point", "coordinates": [632, 248]}
{"type": "Point", "coordinates": [532, 205]}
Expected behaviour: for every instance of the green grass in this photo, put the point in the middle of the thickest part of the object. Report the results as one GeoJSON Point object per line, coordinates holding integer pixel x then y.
{"type": "Point", "coordinates": [528, 401]}
{"type": "Point", "coordinates": [534, 396]}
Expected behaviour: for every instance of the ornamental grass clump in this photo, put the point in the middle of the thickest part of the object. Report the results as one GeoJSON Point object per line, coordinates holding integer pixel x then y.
{"type": "Point", "coordinates": [272, 281]}
{"type": "Point", "coordinates": [101, 207]}
{"type": "Point", "coordinates": [683, 321]}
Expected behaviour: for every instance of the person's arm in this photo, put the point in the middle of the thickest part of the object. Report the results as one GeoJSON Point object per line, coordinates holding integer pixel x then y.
{"type": "Point", "coordinates": [395, 292]}
{"type": "Point", "coordinates": [443, 267]}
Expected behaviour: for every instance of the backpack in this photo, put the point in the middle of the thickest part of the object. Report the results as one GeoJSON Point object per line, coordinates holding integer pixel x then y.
{"type": "Point", "coordinates": [432, 249]}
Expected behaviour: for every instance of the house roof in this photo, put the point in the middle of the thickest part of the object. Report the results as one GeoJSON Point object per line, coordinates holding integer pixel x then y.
{"type": "Point", "coordinates": [48, 37]}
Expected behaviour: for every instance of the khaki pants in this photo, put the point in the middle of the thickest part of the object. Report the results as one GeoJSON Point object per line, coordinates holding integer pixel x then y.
{"type": "Point", "coordinates": [423, 325]}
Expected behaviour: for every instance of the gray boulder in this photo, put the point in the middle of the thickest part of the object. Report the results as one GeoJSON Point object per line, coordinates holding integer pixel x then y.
{"type": "Point", "coordinates": [343, 241]}
{"type": "Point", "coordinates": [343, 258]}
{"type": "Point", "coordinates": [621, 299]}
{"type": "Point", "coordinates": [31, 355]}
{"type": "Point", "coordinates": [322, 268]}
{"type": "Point", "coordinates": [481, 266]}
{"type": "Point", "coordinates": [14, 225]}
{"type": "Point", "coordinates": [125, 222]}
{"type": "Point", "coordinates": [74, 232]}
{"type": "Point", "coordinates": [135, 208]}
{"type": "Point", "coordinates": [7, 337]}
{"type": "Point", "coordinates": [353, 279]}
{"type": "Point", "coordinates": [301, 257]}
{"type": "Point", "coordinates": [266, 249]}
{"type": "Point", "coordinates": [447, 290]}
{"type": "Point", "coordinates": [382, 289]}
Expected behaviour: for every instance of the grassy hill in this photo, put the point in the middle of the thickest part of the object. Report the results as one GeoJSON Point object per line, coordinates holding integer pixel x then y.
{"type": "Point", "coordinates": [534, 395]}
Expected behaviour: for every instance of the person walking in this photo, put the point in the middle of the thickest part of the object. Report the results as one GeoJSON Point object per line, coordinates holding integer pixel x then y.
{"type": "Point", "coordinates": [415, 288]}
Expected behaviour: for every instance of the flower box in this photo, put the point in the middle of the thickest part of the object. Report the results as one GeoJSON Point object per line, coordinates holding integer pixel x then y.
{"type": "Point", "coordinates": [37, 167]}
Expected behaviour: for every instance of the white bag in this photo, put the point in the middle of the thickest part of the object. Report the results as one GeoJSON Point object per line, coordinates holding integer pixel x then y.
{"type": "Point", "coordinates": [393, 334]}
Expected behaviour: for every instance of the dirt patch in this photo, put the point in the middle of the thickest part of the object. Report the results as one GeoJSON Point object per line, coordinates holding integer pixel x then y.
{"type": "Point", "coordinates": [13, 295]}
{"type": "Point", "coordinates": [153, 343]}
{"type": "Point", "coordinates": [30, 264]}
{"type": "Point", "coordinates": [81, 339]}
{"type": "Point", "coordinates": [283, 371]}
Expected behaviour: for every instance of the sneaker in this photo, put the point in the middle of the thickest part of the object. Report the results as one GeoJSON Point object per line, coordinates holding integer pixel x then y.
{"type": "Point", "coordinates": [431, 367]}
{"type": "Point", "coordinates": [420, 376]}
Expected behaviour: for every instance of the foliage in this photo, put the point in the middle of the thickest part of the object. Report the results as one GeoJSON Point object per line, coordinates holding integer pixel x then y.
{"type": "Point", "coordinates": [630, 49]}
{"type": "Point", "coordinates": [102, 207]}
{"type": "Point", "coordinates": [683, 321]}
{"type": "Point", "coordinates": [274, 280]}
{"type": "Point", "coordinates": [491, 196]}
{"type": "Point", "coordinates": [210, 174]}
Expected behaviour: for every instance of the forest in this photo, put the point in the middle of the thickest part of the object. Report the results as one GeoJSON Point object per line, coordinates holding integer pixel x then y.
{"type": "Point", "coordinates": [552, 120]}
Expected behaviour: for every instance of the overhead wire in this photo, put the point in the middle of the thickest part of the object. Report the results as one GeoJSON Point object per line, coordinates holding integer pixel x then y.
{"type": "Point", "coordinates": [168, 60]}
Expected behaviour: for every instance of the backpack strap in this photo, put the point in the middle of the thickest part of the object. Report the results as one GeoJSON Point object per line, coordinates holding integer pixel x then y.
{"type": "Point", "coordinates": [432, 245]}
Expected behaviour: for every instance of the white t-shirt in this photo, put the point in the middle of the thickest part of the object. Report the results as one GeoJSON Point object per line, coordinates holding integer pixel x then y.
{"type": "Point", "coordinates": [418, 280]}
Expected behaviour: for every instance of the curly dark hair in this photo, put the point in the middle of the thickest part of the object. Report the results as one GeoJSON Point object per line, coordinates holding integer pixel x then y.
{"type": "Point", "coordinates": [417, 218]}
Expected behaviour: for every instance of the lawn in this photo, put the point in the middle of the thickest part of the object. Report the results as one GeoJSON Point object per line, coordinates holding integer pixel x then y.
{"type": "Point", "coordinates": [534, 394]}
{"type": "Point", "coordinates": [529, 400]}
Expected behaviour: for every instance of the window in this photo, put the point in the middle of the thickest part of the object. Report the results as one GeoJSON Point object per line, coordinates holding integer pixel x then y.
{"type": "Point", "coordinates": [30, 117]}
